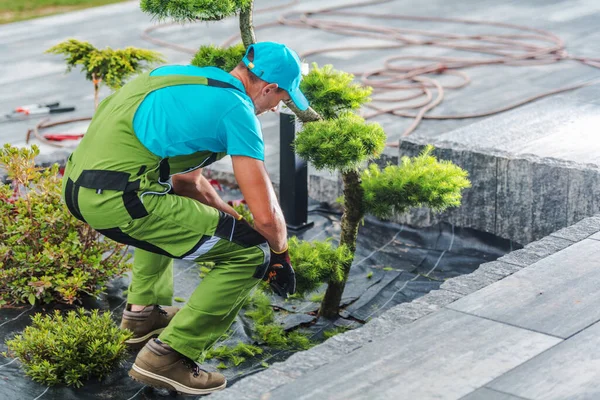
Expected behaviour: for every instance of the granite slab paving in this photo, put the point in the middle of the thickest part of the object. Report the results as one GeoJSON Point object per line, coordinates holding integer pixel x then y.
{"type": "Point", "coordinates": [469, 340]}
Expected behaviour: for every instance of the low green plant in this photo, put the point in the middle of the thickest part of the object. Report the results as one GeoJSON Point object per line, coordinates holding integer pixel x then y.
{"type": "Point", "coordinates": [316, 262]}
{"type": "Point", "coordinates": [369, 274]}
{"type": "Point", "coordinates": [179, 299]}
{"type": "Point", "coordinates": [235, 355]}
{"type": "Point", "coordinates": [225, 58]}
{"type": "Point", "coordinates": [191, 10]}
{"type": "Point", "coordinates": [267, 331]}
{"type": "Point", "coordinates": [317, 298]}
{"type": "Point", "coordinates": [45, 253]}
{"type": "Point", "coordinates": [71, 349]}
{"type": "Point", "coordinates": [330, 91]}
{"type": "Point", "coordinates": [335, 331]}
{"type": "Point", "coordinates": [343, 143]}
{"type": "Point", "coordinates": [416, 181]}
{"type": "Point", "coordinates": [107, 66]}
{"type": "Point", "coordinates": [244, 211]}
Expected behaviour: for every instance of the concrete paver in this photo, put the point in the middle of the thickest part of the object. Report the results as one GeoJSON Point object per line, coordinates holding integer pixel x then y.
{"type": "Point", "coordinates": [557, 296]}
{"type": "Point", "coordinates": [570, 370]}
{"type": "Point", "coordinates": [441, 356]}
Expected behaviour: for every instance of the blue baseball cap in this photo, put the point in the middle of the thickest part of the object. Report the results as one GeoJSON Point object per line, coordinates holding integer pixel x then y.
{"type": "Point", "coordinates": [277, 63]}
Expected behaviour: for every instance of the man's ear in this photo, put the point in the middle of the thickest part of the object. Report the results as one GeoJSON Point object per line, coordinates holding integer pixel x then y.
{"type": "Point", "coordinates": [271, 87]}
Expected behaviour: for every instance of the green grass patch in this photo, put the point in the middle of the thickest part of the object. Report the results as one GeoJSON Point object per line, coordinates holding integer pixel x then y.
{"type": "Point", "coordinates": [12, 11]}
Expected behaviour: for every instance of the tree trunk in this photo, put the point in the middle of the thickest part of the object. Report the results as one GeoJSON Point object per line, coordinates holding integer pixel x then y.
{"type": "Point", "coordinates": [96, 90]}
{"type": "Point", "coordinates": [246, 27]}
{"type": "Point", "coordinates": [308, 115]}
{"type": "Point", "coordinates": [353, 214]}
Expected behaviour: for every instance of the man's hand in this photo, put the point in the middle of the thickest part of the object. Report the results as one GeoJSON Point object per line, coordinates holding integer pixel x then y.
{"type": "Point", "coordinates": [280, 274]}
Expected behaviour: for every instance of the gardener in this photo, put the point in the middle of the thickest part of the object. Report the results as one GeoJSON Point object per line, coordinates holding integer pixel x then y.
{"type": "Point", "coordinates": [136, 178]}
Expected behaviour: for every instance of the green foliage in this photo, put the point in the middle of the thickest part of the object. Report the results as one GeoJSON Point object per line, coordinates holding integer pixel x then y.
{"type": "Point", "coordinates": [205, 268]}
{"type": "Point", "coordinates": [236, 355]}
{"type": "Point", "coordinates": [316, 262]}
{"type": "Point", "coordinates": [45, 253]}
{"type": "Point", "coordinates": [417, 181]}
{"type": "Point", "coordinates": [270, 333]}
{"type": "Point", "coordinates": [330, 91]}
{"type": "Point", "coordinates": [369, 274]}
{"type": "Point", "coordinates": [335, 331]}
{"type": "Point", "coordinates": [179, 299]}
{"type": "Point", "coordinates": [224, 58]}
{"type": "Point", "coordinates": [244, 211]}
{"type": "Point", "coordinates": [112, 67]}
{"type": "Point", "coordinates": [342, 143]}
{"type": "Point", "coordinates": [190, 10]}
{"type": "Point", "coordinates": [388, 268]}
{"type": "Point", "coordinates": [69, 350]}
{"type": "Point", "coordinates": [317, 298]}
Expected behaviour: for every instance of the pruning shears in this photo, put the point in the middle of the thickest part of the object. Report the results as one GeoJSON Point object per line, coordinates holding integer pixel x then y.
{"type": "Point", "coordinates": [38, 109]}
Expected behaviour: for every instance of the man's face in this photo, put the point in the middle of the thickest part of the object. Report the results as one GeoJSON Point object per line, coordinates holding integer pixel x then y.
{"type": "Point", "coordinates": [268, 98]}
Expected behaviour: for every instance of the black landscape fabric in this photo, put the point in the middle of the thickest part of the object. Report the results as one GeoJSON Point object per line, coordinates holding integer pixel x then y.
{"type": "Point", "coordinates": [393, 264]}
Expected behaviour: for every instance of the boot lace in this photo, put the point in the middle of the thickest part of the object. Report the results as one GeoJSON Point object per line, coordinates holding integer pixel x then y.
{"type": "Point", "coordinates": [193, 365]}
{"type": "Point", "coordinates": [162, 311]}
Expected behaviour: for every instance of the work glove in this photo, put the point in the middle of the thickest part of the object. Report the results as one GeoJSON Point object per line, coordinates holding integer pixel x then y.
{"type": "Point", "coordinates": [280, 274]}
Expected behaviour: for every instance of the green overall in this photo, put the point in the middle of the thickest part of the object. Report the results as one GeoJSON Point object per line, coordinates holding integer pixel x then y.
{"type": "Point", "coordinates": [122, 190]}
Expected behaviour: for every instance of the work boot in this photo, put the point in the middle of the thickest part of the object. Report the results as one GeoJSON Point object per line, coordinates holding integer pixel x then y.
{"type": "Point", "coordinates": [149, 322]}
{"type": "Point", "coordinates": [159, 366]}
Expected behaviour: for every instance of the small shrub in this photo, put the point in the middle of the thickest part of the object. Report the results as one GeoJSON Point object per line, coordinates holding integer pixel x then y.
{"type": "Point", "coordinates": [45, 253]}
{"type": "Point", "coordinates": [236, 355]}
{"type": "Point", "coordinates": [421, 180]}
{"type": "Point", "coordinates": [190, 10]}
{"type": "Point", "coordinates": [316, 262]}
{"type": "Point", "coordinates": [330, 91]}
{"type": "Point", "coordinates": [335, 331]}
{"type": "Point", "coordinates": [244, 211]}
{"type": "Point", "coordinates": [343, 143]}
{"type": "Point", "coordinates": [224, 58]}
{"type": "Point", "coordinates": [69, 350]}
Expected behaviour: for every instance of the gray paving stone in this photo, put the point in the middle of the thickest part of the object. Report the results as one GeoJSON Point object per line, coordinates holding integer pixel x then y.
{"type": "Point", "coordinates": [567, 371]}
{"type": "Point", "coordinates": [305, 361]}
{"type": "Point", "coordinates": [404, 312]}
{"type": "Point", "coordinates": [439, 298]}
{"type": "Point", "coordinates": [580, 204]}
{"type": "Point", "coordinates": [261, 383]}
{"type": "Point", "coordinates": [466, 284]}
{"type": "Point", "coordinates": [557, 295]}
{"type": "Point", "coordinates": [536, 251]}
{"type": "Point", "coordinates": [489, 394]}
{"type": "Point", "coordinates": [499, 268]}
{"type": "Point", "coordinates": [581, 229]}
{"type": "Point", "coordinates": [431, 358]}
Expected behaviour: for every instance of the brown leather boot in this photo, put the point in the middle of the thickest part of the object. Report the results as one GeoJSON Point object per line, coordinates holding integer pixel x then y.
{"type": "Point", "coordinates": [159, 366]}
{"type": "Point", "coordinates": [149, 322]}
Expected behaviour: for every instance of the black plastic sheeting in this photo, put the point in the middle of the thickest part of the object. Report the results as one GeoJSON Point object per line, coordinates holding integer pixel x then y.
{"type": "Point", "coordinates": [405, 263]}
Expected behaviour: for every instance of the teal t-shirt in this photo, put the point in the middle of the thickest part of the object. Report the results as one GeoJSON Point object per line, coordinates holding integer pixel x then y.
{"type": "Point", "coordinates": [184, 119]}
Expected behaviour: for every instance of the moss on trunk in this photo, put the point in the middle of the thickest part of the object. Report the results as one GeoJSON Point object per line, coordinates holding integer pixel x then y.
{"type": "Point", "coordinates": [246, 27]}
{"type": "Point", "coordinates": [353, 214]}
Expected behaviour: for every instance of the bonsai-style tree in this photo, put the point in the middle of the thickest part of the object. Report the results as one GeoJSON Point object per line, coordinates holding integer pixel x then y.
{"type": "Point", "coordinates": [334, 138]}
{"type": "Point", "coordinates": [108, 66]}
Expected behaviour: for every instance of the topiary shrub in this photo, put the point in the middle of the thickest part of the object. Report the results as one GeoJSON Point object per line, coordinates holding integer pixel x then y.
{"type": "Point", "coordinates": [416, 181]}
{"type": "Point", "coordinates": [330, 91]}
{"type": "Point", "coordinates": [69, 350]}
{"type": "Point", "coordinates": [190, 10]}
{"type": "Point", "coordinates": [45, 253]}
{"type": "Point", "coordinates": [108, 66]}
{"type": "Point", "coordinates": [342, 143]}
{"type": "Point", "coordinates": [316, 262]}
{"type": "Point", "coordinates": [225, 58]}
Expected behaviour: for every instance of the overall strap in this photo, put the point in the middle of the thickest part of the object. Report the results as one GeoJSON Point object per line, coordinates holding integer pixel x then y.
{"type": "Point", "coordinates": [159, 82]}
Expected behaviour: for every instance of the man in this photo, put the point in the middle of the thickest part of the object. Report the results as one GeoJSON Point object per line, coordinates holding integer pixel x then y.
{"type": "Point", "coordinates": [136, 178]}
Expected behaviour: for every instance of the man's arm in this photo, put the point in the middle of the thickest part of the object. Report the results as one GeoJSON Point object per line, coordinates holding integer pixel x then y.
{"type": "Point", "coordinates": [258, 192]}
{"type": "Point", "coordinates": [197, 187]}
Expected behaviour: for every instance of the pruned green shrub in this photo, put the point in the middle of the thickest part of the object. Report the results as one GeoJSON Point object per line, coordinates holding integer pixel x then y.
{"type": "Point", "coordinates": [316, 262]}
{"type": "Point", "coordinates": [69, 350]}
{"type": "Point", "coordinates": [269, 332]}
{"type": "Point", "coordinates": [244, 211]}
{"type": "Point", "coordinates": [225, 58]}
{"type": "Point", "coordinates": [421, 180]}
{"type": "Point", "coordinates": [343, 143]}
{"type": "Point", "coordinates": [235, 355]}
{"type": "Point", "coordinates": [330, 91]}
{"type": "Point", "coordinates": [189, 10]}
{"type": "Point", "coordinates": [108, 66]}
{"type": "Point", "coordinates": [45, 253]}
